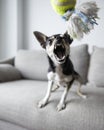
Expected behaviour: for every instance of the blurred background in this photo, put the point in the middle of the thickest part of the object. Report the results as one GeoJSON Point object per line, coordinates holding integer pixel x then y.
{"type": "Point", "coordinates": [19, 18]}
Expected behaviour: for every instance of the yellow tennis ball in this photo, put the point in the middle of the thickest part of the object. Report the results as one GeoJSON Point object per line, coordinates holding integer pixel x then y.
{"type": "Point", "coordinates": [61, 6]}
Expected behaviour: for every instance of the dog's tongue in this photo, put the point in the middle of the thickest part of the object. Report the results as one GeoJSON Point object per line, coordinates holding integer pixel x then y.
{"type": "Point", "coordinates": [60, 54]}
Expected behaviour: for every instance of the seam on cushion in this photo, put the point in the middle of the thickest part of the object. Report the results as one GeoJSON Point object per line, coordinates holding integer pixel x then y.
{"type": "Point", "coordinates": [13, 123]}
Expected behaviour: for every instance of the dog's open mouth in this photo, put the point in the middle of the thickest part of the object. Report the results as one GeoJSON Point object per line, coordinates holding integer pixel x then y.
{"type": "Point", "coordinates": [59, 51]}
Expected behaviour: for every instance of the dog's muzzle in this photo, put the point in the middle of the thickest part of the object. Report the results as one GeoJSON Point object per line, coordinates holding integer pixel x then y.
{"type": "Point", "coordinates": [59, 52]}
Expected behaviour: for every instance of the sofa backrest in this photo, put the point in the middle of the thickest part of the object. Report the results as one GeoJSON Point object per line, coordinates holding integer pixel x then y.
{"type": "Point", "coordinates": [33, 64]}
{"type": "Point", "coordinates": [96, 69]}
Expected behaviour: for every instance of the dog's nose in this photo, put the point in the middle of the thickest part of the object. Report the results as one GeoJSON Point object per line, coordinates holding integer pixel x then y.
{"type": "Point", "coordinates": [58, 39]}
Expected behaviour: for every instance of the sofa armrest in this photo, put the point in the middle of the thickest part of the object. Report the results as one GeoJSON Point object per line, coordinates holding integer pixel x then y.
{"type": "Point", "coordinates": [9, 73]}
{"type": "Point", "coordinates": [8, 61]}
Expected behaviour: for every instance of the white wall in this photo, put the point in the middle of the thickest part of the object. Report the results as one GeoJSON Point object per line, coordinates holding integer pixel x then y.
{"type": "Point", "coordinates": [40, 16]}
{"type": "Point", "coordinates": [8, 28]}
{"type": "Point", "coordinates": [19, 18]}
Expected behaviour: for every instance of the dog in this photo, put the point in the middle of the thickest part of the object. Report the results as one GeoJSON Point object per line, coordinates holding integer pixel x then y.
{"type": "Point", "coordinates": [61, 71]}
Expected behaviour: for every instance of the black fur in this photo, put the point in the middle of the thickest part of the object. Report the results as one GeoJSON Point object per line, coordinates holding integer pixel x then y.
{"type": "Point", "coordinates": [52, 66]}
{"type": "Point", "coordinates": [67, 67]}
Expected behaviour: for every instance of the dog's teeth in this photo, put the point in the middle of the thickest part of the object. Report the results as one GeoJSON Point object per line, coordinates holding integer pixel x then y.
{"type": "Point", "coordinates": [59, 45]}
{"type": "Point", "coordinates": [63, 57]}
{"type": "Point", "coordinates": [58, 58]}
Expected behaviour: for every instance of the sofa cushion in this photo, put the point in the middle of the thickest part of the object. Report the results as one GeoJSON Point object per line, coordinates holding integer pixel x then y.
{"type": "Point", "coordinates": [19, 99]}
{"type": "Point", "coordinates": [4, 125]}
{"type": "Point", "coordinates": [80, 58]}
{"type": "Point", "coordinates": [96, 69]}
{"type": "Point", "coordinates": [34, 64]}
{"type": "Point", "coordinates": [8, 73]}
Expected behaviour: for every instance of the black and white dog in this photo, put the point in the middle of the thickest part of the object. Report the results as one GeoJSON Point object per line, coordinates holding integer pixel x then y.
{"type": "Point", "coordinates": [61, 72]}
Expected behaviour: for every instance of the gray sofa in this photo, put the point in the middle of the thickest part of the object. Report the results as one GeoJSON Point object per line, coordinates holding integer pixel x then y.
{"type": "Point", "coordinates": [23, 82]}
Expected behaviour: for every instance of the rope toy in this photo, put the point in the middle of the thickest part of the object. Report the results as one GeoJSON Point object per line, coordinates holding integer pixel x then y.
{"type": "Point", "coordinates": [80, 18]}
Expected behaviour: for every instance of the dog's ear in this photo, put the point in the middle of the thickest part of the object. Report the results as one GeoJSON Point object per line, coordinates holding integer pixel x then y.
{"type": "Point", "coordinates": [41, 38]}
{"type": "Point", "coordinates": [68, 38]}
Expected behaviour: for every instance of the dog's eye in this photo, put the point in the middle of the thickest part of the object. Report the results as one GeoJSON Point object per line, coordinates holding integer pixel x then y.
{"type": "Point", "coordinates": [49, 41]}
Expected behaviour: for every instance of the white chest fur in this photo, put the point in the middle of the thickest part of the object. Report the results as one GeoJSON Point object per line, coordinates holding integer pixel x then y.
{"type": "Point", "coordinates": [59, 78]}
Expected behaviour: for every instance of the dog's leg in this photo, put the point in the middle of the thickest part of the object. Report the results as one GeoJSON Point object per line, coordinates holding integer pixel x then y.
{"type": "Point", "coordinates": [79, 83]}
{"type": "Point", "coordinates": [79, 91]}
{"type": "Point", "coordinates": [51, 76]}
{"type": "Point", "coordinates": [44, 101]}
{"type": "Point", "coordinates": [62, 104]}
{"type": "Point", "coordinates": [54, 87]}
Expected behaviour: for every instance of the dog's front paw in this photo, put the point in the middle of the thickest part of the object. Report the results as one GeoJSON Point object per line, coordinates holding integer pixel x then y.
{"type": "Point", "coordinates": [84, 96]}
{"type": "Point", "coordinates": [61, 106]}
{"type": "Point", "coordinates": [42, 103]}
